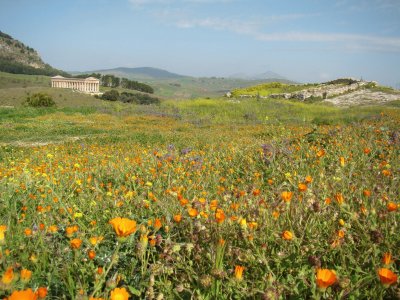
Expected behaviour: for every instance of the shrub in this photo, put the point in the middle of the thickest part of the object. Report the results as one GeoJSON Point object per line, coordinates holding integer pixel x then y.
{"type": "Point", "coordinates": [40, 100]}
{"type": "Point", "coordinates": [112, 95]}
{"type": "Point", "coordinates": [137, 98]}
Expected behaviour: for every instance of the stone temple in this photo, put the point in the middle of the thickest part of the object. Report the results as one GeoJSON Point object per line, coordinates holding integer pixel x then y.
{"type": "Point", "coordinates": [88, 85]}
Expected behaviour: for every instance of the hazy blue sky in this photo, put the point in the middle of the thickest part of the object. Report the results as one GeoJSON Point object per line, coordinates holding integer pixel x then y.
{"type": "Point", "coordinates": [310, 40]}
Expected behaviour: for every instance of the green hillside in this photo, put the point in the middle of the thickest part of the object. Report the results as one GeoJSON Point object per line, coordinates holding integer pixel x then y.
{"type": "Point", "coordinates": [266, 89]}
{"type": "Point", "coordinates": [171, 85]}
{"type": "Point", "coordinates": [17, 58]}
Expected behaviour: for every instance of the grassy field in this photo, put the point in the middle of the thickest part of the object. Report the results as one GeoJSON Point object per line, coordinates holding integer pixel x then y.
{"type": "Point", "coordinates": [266, 89]}
{"type": "Point", "coordinates": [14, 86]}
{"type": "Point", "coordinates": [199, 199]}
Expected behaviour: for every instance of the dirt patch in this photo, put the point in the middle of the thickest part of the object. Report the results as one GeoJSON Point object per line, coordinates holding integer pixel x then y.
{"type": "Point", "coordinates": [41, 144]}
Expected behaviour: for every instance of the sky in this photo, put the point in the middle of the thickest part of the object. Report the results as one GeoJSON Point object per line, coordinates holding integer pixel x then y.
{"type": "Point", "coordinates": [303, 40]}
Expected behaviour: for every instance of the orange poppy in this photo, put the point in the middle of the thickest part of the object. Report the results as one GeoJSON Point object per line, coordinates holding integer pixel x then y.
{"type": "Point", "coordinates": [76, 243]}
{"type": "Point", "coordinates": [214, 204]}
{"type": "Point", "coordinates": [91, 254]}
{"type": "Point", "coordinates": [239, 272]}
{"type": "Point", "coordinates": [392, 206]}
{"type": "Point", "coordinates": [367, 193]}
{"type": "Point", "coordinates": [157, 224]}
{"type": "Point", "coordinates": [387, 277]}
{"type": "Point", "coordinates": [177, 218]}
{"type": "Point", "coordinates": [325, 278]}
{"type": "Point", "coordinates": [23, 295]}
{"type": "Point", "coordinates": [286, 196]}
{"type": "Point", "coordinates": [123, 227]}
{"type": "Point", "coordinates": [193, 212]}
{"type": "Point", "coordinates": [302, 187]}
{"type": "Point", "coordinates": [219, 216]}
{"type": "Point", "coordinates": [25, 275]}
{"type": "Point", "coordinates": [42, 292]}
{"type": "Point", "coordinates": [8, 276]}
{"type": "Point", "coordinates": [287, 235]}
{"type": "Point", "coordinates": [339, 198]}
{"type": "Point", "coordinates": [321, 153]}
{"type": "Point", "coordinates": [387, 258]}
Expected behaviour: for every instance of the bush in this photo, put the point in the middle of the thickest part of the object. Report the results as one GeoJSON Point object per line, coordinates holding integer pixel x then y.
{"type": "Point", "coordinates": [40, 100]}
{"type": "Point", "coordinates": [112, 95]}
{"type": "Point", "coordinates": [137, 98]}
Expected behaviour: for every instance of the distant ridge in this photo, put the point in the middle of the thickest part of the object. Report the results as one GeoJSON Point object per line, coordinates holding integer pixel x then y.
{"type": "Point", "coordinates": [266, 75]}
{"type": "Point", "coordinates": [140, 73]}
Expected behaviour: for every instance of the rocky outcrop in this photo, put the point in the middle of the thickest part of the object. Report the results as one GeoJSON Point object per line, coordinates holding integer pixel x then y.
{"type": "Point", "coordinates": [365, 97]}
{"type": "Point", "coordinates": [323, 91]}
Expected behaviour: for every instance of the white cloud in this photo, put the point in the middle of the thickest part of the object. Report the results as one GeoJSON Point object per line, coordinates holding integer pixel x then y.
{"type": "Point", "coordinates": [254, 29]}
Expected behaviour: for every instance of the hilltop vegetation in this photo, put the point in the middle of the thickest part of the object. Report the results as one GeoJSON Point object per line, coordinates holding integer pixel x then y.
{"type": "Point", "coordinates": [17, 58]}
{"type": "Point", "coordinates": [266, 89]}
{"type": "Point", "coordinates": [342, 91]}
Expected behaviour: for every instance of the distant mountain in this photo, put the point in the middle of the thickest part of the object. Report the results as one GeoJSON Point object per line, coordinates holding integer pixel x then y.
{"type": "Point", "coordinates": [17, 58]}
{"type": "Point", "coordinates": [140, 73]}
{"type": "Point", "coordinates": [266, 75]}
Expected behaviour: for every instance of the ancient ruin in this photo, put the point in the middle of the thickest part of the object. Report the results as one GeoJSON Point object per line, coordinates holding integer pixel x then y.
{"type": "Point", "coordinates": [88, 85]}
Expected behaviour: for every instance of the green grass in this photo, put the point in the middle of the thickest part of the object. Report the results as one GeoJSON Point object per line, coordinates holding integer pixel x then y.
{"type": "Point", "coordinates": [267, 89]}
{"type": "Point", "coordinates": [8, 80]}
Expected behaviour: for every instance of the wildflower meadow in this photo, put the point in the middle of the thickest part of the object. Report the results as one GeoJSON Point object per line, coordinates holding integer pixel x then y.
{"type": "Point", "coordinates": [160, 208]}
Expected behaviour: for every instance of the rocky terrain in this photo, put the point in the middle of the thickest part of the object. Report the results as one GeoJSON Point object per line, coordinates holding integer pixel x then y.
{"type": "Point", "coordinates": [18, 52]}
{"type": "Point", "coordinates": [340, 92]}
{"type": "Point", "coordinates": [365, 97]}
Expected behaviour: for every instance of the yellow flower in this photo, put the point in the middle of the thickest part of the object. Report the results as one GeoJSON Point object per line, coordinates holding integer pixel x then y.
{"type": "Point", "coordinates": [3, 228]}
{"type": "Point", "coordinates": [123, 227]}
{"type": "Point", "coordinates": [95, 240]}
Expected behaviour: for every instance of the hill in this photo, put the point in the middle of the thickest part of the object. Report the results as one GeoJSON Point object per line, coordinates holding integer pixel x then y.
{"type": "Point", "coordinates": [171, 85]}
{"type": "Point", "coordinates": [342, 92]}
{"type": "Point", "coordinates": [268, 75]}
{"type": "Point", "coordinates": [18, 58]}
{"type": "Point", "coordinates": [141, 73]}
